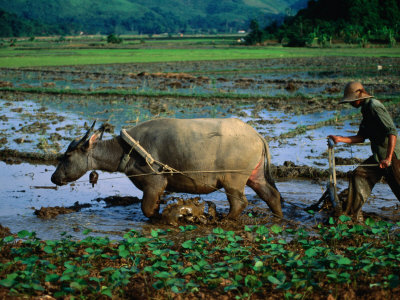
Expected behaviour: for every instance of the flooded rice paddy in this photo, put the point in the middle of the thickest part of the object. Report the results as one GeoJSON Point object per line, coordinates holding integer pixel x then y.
{"type": "Point", "coordinates": [283, 100]}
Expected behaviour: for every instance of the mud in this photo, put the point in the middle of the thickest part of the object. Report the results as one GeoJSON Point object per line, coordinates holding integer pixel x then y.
{"type": "Point", "coordinates": [113, 201]}
{"type": "Point", "coordinates": [4, 231]}
{"type": "Point", "coordinates": [47, 213]}
{"type": "Point", "coordinates": [270, 77]}
{"type": "Point", "coordinates": [189, 211]}
{"type": "Point", "coordinates": [16, 157]}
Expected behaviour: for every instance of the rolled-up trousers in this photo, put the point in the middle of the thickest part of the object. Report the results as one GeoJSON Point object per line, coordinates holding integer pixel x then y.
{"type": "Point", "coordinates": [363, 180]}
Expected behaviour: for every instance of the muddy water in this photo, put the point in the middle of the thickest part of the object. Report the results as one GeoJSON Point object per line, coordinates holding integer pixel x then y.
{"type": "Point", "coordinates": [26, 188]}
{"type": "Point", "coordinates": [47, 124]}
{"type": "Point", "coordinates": [50, 125]}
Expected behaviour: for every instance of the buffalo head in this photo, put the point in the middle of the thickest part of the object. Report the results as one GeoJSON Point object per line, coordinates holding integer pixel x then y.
{"type": "Point", "coordinates": [76, 160]}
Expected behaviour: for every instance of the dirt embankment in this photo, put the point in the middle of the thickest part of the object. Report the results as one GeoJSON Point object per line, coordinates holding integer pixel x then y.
{"type": "Point", "coordinates": [16, 157]}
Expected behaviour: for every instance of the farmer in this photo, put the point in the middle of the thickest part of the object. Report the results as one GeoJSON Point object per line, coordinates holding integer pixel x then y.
{"type": "Point", "coordinates": [379, 128]}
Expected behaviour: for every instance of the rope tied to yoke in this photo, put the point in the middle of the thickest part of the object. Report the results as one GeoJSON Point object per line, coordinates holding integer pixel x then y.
{"type": "Point", "coordinates": [135, 145]}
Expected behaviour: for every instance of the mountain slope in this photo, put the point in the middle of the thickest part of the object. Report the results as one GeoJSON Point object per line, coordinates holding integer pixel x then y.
{"type": "Point", "coordinates": [149, 16]}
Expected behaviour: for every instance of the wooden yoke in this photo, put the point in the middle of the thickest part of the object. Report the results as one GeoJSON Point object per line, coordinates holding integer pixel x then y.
{"type": "Point", "coordinates": [134, 146]}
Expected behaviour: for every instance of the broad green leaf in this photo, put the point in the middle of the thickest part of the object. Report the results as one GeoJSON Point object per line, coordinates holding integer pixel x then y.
{"type": "Point", "coordinates": [83, 272]}
{"type": "Point", "coordinates": [258, 265]}
{"type": "Point", "coordinates": [9, 280]}
{"type": "Point", "coordinates": [394, 281]}
{"type": "Point", "coordinates": [108, 269]}
{"type": "Point", "coordinates": [188, 270]}
{"type": "Point", "coordinates": [89, 250]}
{"type": "Point", "coordinates": [230, 287]}
{"type": "Point", "coordinates": [106, 291]}
{"type": "Point", "coordinates": [276, 229]}
{"type": "Point", "coordinates": [9, 239]}
{"type": "Point", "coordinates": [36, 287]}
{"type": "Point", "coordinates": [187, 228]}
{"type": "Point", "coordinates": [65, 278]}
{"type": "Point", "coordinates": [247, 228]}
{"type": "Point", "coordinates": [95, 279]}
{"type": "Point", "coordinates": [175, 289]}
{"type": "Point", "coordinates": [237, 266]}
{"type": "Point", "coordinates": [124, 253]}
{"type": "Point", "coordinates": [87, 231]}
{"type": "Point", "coordinates": [252, 281]}
{"type": "Point", "coordinates": [262, 230]}
{"type": "Point", "coordinates": [311, 252]}
{"type": "Point", "coordinates": [48, 249]}
{"type": "Point", "coordinates": [23, 233]}
{"type": "Point", "coordinates": [158, 284]}
{"type": "Point", "coordinates": [332, 275]}
{"type": "Point", "coordinates": [344, 261]}
{"type": "Point", "coordinates": [163, 275]}
{"type": "Point", "coordinates": [344, 218]}
{"type": "Point", "coordinates": [369, 222]}
{"type": "Point", "coordinates": [218, 230]}
{"type": "Point", "coordinates": [273, 279]}
{"type": "Point", "coordinates": [188, 244]}
{"type": "Point", "coordinates": [52, 277]}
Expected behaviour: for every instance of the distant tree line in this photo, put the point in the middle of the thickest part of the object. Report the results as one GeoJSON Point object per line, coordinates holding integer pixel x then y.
{"type": "Point", "coordinates": [12, 25]}
{"type": "Point", "coordinates": [70, 17]}
{"type": "Point", "coordinates": [351, 21]}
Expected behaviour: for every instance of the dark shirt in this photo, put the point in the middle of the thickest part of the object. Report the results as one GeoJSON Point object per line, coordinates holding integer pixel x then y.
{"type": "Point", "coordinates": [376, 125]}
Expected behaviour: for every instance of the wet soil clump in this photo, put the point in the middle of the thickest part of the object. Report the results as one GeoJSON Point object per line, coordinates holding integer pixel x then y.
{"type": "Point", "coordinates": [291, 170]}
{"type": "Point", "coordinates": [16, 157]}
{"type": "Point", "coordinates": [189, 211]}
{"type": "Point", "coordinates": [112, 201]}
{"type": "Point", "coordinates": [47, 213]}
{"type": "Point", "coordinates": [4, 231]}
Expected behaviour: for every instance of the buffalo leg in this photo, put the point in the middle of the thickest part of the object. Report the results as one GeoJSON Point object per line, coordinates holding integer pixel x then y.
{"type": "Point", "coordinates": [151, 198]}
{"type": "Point", "coordinates": [265, 191]}
{"type": "Point", "coordinates": [237, 201]}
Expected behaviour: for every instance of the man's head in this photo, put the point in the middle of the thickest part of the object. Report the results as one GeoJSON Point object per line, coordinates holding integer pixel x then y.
{"type": "Point", "coordinates": [354, 94]}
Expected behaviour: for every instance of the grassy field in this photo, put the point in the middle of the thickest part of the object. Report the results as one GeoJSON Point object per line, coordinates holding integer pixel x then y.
{"type": "Point", "coordinates": [31, 57]}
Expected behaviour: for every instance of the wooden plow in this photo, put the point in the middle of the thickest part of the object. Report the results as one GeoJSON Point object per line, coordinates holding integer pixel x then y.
{"type": "Point", "coordinates": [330, 197]}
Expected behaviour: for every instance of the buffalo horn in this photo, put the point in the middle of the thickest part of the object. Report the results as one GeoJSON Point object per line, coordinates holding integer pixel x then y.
{"type": "Point", "coordinates": [76, 144]}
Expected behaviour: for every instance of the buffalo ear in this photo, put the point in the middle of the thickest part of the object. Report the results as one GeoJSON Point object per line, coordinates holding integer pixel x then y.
{"type": "Point", "coordinates": [92, 141]}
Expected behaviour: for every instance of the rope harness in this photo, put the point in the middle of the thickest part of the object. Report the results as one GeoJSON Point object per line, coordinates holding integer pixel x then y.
{"type": "Point", "coordinates": [135, 145]}
{"type": "Point", "coordinates": [165, 169]}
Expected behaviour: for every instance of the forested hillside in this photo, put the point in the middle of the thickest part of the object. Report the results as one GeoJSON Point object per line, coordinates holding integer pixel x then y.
{"type": "Point", "coordinates": [140, 16]}
{"type": "Point", "coordinates": [351, 21]}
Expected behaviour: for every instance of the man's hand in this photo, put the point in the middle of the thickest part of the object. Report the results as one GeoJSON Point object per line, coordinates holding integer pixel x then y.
{"type": "Point", "coordinates": [383, 164]}
{"type": "Point", "coordinates": [335, 138]}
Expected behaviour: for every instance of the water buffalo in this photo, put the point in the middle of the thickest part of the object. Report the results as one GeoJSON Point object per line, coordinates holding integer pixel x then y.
{"type": "Point", "coordinates": [209, 153]}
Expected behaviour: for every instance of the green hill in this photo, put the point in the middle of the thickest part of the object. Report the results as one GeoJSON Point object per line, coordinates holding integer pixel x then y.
{"type": "Point", "coordinates": [349, 21]}
{"type": "Point", "coordinates": [147, 16]}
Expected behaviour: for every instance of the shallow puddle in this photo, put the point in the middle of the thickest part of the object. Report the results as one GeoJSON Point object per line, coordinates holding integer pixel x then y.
{"type": "Point", "coordinates": [27, 187]}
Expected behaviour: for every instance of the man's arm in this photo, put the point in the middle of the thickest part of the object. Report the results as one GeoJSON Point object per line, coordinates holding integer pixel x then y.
{"type": "Point", "coordinates": [389, 154]}
{"type": "Point", "coordinates": [348, 139]}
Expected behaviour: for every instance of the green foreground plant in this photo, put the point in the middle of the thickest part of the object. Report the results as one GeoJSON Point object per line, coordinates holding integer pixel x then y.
{"type": "Point", "coordinates": [256, 260]}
